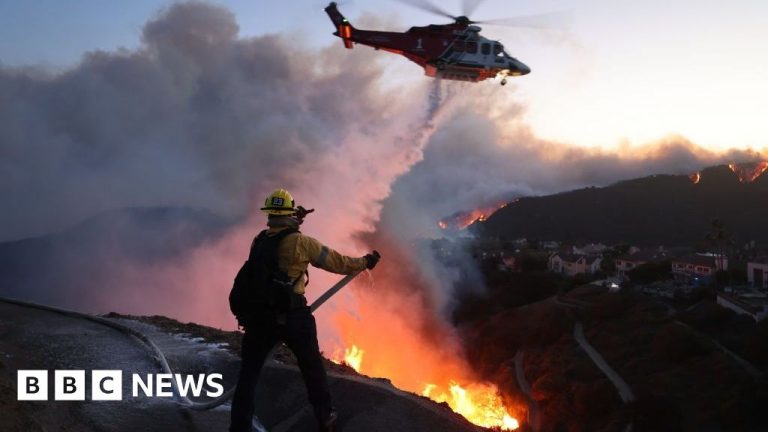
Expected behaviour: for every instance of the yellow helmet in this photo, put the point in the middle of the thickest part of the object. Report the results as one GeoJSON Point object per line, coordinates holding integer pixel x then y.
{"type": "Point", "coordinates": [279, 203]}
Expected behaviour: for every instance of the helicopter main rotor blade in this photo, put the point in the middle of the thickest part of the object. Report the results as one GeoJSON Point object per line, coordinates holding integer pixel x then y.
{"type": "Point", "coordinates": [425, 5]}
{"type": "Point", "coordinates": [548, 21]}
{"type": "Point", "coordinates": [468, 6]}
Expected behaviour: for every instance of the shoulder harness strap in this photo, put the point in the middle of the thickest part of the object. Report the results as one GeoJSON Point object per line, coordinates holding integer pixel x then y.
{"type": "Point", "coordinates": [266, 246]}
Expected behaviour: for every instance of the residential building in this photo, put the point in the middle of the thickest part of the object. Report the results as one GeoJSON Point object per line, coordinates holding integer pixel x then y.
{"type": "Point", "coordinates": [698, 268]}
{"type": "Point", "coordinates": [628, 262]}
{"type": "Point", "coordinates": [550, 244]}
{"type": "Point", "coordinates": [757, 273]}
{"type": "Point", "coordinates": [590, 249]}
{"type": "Point", "coordinates": [571, 264]}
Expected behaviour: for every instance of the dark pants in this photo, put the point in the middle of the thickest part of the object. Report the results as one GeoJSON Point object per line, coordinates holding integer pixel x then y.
{"type": "Point", "coordinates": [300, 334]}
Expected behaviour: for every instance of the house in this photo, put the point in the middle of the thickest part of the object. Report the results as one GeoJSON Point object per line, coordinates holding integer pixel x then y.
{"type": "Point", "coordinates": [753, 304]}
{"type": "Point", "coordinates": [571, 264]}
{"type": "Point", "coordinates": [698, 268]}
{"type": "Point", "coordinates": [550, 245]}
{"type": "Point", "coordinates": [590, 249]}
{"type": "Point", "coordinates": [757, 273]}
{"type": "Point", "coordinates": [628, 262]}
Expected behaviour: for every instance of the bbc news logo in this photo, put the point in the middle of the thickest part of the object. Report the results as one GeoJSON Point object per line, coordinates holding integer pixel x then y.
{"type": "Point", "coordinates": [107, 385]}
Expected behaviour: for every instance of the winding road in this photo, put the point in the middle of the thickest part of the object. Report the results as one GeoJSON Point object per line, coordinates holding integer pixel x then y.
{"type": "Point", "coordinates": [534, 413]}
{"type": "Point", "coordinates": [625, 392]}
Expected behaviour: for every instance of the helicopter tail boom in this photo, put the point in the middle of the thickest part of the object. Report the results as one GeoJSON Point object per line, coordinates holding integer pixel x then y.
{"type": "Point", "coordinates": [344, 29]}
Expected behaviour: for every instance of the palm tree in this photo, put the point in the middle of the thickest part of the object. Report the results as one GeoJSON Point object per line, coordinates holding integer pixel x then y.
{"type": "Point", "coordinates": [720, 240]}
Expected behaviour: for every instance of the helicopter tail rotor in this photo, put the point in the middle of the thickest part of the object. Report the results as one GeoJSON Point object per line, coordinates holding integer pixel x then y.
{"type": "Point", "coordinates": [344, 29]}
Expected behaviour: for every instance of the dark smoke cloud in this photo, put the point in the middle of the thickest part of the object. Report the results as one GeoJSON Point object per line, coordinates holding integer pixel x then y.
{"type": "Point", "coordinates": [195, 117]}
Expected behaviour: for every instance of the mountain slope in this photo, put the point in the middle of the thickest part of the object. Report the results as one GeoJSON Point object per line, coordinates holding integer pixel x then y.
{"type": "Point", "coordinates": [662, 209]}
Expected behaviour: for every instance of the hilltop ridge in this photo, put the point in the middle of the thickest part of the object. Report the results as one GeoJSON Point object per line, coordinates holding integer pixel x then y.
{"type": "Point", "coordinates": [658, 209]}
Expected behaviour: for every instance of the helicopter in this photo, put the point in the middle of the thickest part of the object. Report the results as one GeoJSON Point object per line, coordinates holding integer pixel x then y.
{"type": "Point", "coordinates": [454, 51]}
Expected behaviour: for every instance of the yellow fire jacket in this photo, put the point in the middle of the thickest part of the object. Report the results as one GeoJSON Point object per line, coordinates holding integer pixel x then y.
{"type": "Point", "coordinates": [297, 251]}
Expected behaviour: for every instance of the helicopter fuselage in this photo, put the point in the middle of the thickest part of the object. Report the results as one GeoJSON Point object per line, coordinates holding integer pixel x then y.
{"type": "Point", "coordinates": [452, 51]}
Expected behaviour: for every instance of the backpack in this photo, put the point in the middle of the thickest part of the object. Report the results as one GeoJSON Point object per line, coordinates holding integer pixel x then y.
{"type": "Point", "coordinates": [260, 287]}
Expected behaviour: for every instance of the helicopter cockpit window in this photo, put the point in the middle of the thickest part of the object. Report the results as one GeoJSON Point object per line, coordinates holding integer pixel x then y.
{"type": "Point", "coordinates": [472, 47]}
{"type": "Point", "coordinates": [485, 48]}
{"type": "Point", "coordinates": [498, 50]}
{"type": "Point", "coordinates": [459, 46]}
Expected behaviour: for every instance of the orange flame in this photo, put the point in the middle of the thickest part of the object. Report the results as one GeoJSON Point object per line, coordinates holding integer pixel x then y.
{"type": "Point", "coordinates": [748, 172]}
{"type": "Point", "coordinates": [352, 357]}
{"type": "Point", "coordinates": [462, 220]}
{"type": "Point", "coordinates": [478, 403]}
{"type": "Point", "coordinates": [395, 322]}
{"type": "Point", "coordinates": [695, 177]}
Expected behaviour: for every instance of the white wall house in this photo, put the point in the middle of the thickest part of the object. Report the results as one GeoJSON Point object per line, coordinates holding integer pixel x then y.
{"type": "Point", "coordinates": [757, 273]}
{"type": "Point", "coordinates": [570, 265]}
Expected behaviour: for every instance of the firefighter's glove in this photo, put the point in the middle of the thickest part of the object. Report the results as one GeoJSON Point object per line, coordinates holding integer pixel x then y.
{"type": "Point", "coordinates": [372, 259]}
{"type": "Point", "coordinates": [301, 213]}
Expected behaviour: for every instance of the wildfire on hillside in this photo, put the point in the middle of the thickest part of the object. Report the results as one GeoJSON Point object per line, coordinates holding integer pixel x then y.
{"type": "Point", "coordinates": [749, 172]}
{"type": "Point", "coordinates": [695, 177]}
{"type": "Point", "coordinates": [461, 220]}
{"type": "Point", "coordinates": [352, 357]}
{"type": "Point", "coordinates": [478, 403]}
{"type": "Point", "coordinates": [396, 330]}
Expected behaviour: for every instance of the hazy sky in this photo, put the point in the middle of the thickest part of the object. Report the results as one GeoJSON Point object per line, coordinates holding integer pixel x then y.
{"type": "Point", "coordinates": [625, 72]}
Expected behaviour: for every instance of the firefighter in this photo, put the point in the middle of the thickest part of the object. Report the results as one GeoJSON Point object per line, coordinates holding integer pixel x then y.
{"type": "Point", "coordinates": [296, 327]}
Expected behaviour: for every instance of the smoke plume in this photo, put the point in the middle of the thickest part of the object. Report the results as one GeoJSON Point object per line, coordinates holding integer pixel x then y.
{"type": "Point", "coordinates": [199, 118]}
{"type": "Point", "coordinates": [196, 117]}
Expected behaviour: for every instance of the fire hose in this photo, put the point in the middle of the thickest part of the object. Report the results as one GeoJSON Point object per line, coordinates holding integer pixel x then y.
{"type": "Point", "coordinates": [158, 354]}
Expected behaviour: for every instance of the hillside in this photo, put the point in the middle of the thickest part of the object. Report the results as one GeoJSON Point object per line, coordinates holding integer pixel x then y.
{"type": "Point", "coordinates": [681, 378]}
{"type": "Point", "coordinates": [661, 209]}
{"type": "Point", "coordinates": [364, 404]}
